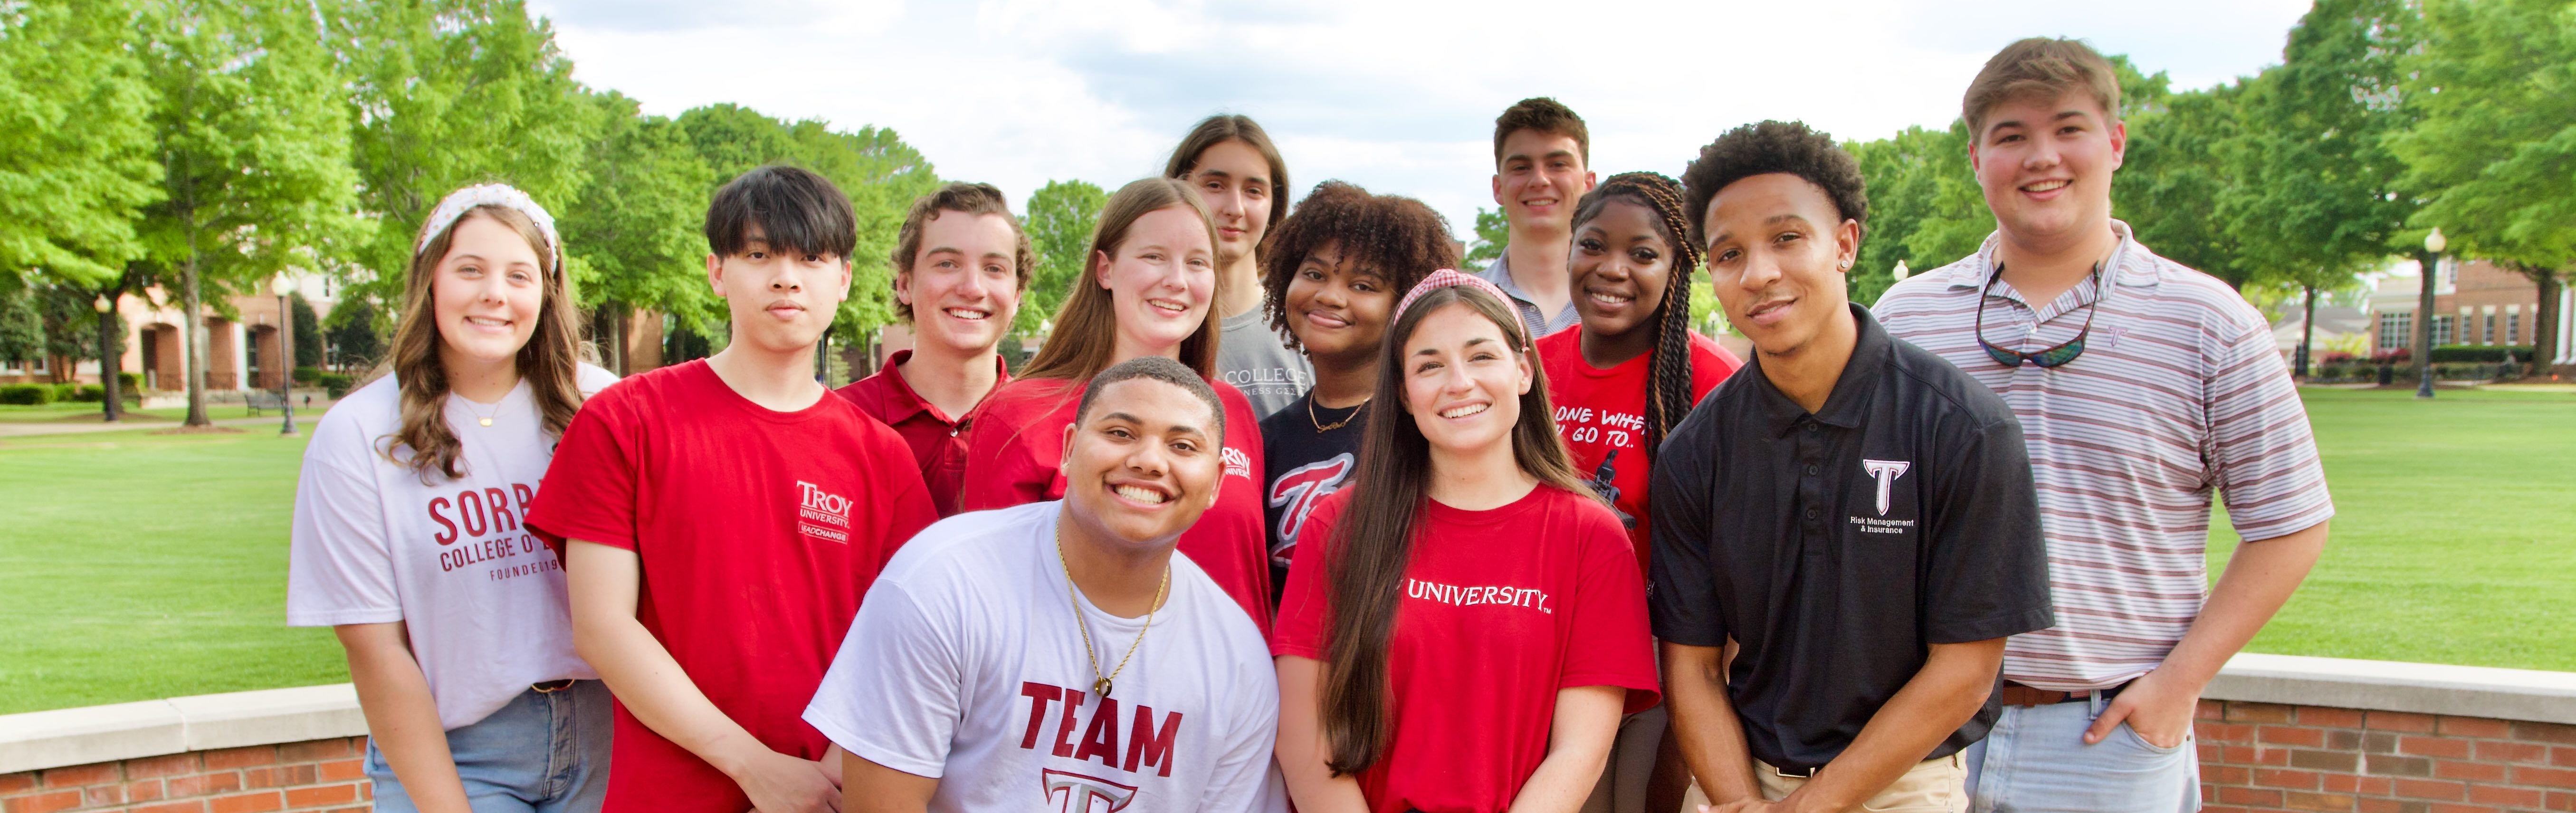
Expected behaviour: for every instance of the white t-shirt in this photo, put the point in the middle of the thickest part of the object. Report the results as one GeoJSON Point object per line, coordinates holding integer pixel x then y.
{"type": "Point", "coordinates": [480, 595]}
{"type": "Point", "coordinates": [964, 665]}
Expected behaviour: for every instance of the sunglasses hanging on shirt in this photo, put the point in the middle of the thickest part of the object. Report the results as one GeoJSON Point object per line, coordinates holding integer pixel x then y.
{"type": "Point", "coordinates": [2043, 359]}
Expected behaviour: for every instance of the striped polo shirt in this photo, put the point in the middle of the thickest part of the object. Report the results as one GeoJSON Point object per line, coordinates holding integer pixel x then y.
{"type": "Point", "coordinates": [2179, 394]}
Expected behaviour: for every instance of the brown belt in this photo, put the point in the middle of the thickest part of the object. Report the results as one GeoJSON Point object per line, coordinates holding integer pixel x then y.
{"type": "Point", "coordinates": [551, 686]}
{"type": "Point", "coordinates": [2015, 694]}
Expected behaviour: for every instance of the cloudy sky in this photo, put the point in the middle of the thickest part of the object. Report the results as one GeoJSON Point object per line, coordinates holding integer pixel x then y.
{"type": "Point", "coordinates": [1396, 95]}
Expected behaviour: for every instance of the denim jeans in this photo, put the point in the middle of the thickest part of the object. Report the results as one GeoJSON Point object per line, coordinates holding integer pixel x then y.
{"type": "Point", "coordinates": [545, 752]}
{"type": "Point", "coordinates": [2035, 761]}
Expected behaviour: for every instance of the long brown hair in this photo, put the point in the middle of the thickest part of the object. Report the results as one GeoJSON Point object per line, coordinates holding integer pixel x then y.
{"type": "Point", "coordinates": [550, 362]}
{"type": "Point", "coordinates": [1668, 376]}
{"type": "Point", "coordinates": [1086, 325]}
{"type": "Point", "coordinates": [1224, 127]}
{"type": "Point", "coordinates": [1373, 542]}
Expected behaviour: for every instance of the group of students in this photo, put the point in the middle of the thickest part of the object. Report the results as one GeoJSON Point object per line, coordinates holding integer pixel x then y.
{"type": "Point", "coordinates": [1513, 540]}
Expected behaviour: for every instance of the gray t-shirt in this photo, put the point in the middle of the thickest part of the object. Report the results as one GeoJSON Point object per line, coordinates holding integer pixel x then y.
{"type": "Point", "coordinates": [1251, 357]}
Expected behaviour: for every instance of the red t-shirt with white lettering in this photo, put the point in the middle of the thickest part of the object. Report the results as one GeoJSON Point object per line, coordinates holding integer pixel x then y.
{"type": "Point", "coordinates": [1015, 452]}
{"type": "Point", "coordinates": [757, 531]}
{"type": "Point", "coordinates": [1602, 411]}
{"type": "Point", "coordinates": [1501, 608]}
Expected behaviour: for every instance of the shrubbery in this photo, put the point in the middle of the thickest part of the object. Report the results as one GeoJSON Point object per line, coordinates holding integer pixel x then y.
{"type": "Point", "coordinates": [26, 394]}
{"type": "Point", "coordinates": [2479, 353]}
{"type": "Point", "coordinates": [337, 384]}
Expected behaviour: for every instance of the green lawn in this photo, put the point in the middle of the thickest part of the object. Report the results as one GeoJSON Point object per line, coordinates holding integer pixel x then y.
{"type": "Point", "coordinates": [136, 566]}
{"type": "Point", "coordinates": [69, 412]}
{"type": "Point", "coordinates": [2454, 531]}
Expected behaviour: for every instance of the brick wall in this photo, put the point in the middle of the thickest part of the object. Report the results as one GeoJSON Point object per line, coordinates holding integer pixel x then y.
{"type": "Point", "coordinates": [315, 775]}
{"type": "Point", "coordinates": [2267, 757]}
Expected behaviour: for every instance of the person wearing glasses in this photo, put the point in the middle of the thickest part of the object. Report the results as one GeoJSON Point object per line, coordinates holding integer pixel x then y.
{"type": "Point", "coordinates": [2142, 387]}
{"type": "Point", "coordinates": [1844, 531]}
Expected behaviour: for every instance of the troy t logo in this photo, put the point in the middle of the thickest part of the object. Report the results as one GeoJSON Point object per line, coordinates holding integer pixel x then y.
{"type": "Point", "coordinates": [1886, 471]}
{"type": "Point", "coordinates": [1071, 792]}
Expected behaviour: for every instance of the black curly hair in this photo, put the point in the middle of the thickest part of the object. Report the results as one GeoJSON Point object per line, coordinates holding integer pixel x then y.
{"type": "Point", "coordinates": [1398, 237]}
{"type": "Point", "coordinates": [1668, 377]}
{"type": "Point", "coordinates": [1773, 146]}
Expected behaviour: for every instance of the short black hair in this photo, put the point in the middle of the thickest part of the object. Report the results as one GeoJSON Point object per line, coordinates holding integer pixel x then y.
{"type": "Point", "coordinates": [1767, 147]}
{"type": "Point", "coordinates": [792, 209]}
{"type": "Point", "coordinates": [1156, 368]}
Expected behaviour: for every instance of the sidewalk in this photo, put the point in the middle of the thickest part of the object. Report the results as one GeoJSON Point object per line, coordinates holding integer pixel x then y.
{"type": "Point", "coordinates": [303, 420]}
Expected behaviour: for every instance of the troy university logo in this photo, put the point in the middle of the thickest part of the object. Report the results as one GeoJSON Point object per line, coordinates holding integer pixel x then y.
{"type": "Point", "coordinates": [1069, 792]}
{"type": "Point", "coordinates": [1886, 471]}
{"type": "Point", "coordinates": [1296, 493]}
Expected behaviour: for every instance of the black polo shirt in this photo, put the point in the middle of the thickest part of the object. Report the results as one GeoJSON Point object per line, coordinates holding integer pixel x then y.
{"type": "Point", "coordinates": [1837, 547]}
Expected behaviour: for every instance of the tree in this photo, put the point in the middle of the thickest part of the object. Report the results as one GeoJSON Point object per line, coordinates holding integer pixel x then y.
{"type": "Point", "coordinates": [2492, 152]}
{"type": "Point", "coordinates": [75, 138]}
{"type": "Point", "coordinates": [635, 241]}
{"type": "Point", "coordinates": [1061, 217]}
{"type": "Point", "coordinates": [352, 333]}
{"type": "Point", "coordinates": [253, 150]}
{"type": "Point", "coordinates": [1493, 231]}
{"type": "Point", "coordinates": [308, 333]}
{"type": "Point", "coordinates": [448, 93]}
{"type": "Point", "coordinates": [1925, 208]}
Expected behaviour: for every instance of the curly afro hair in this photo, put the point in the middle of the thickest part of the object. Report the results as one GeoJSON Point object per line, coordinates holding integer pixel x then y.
{"type": "Point", "coordinates": [1767, 147]}
{"type": "Point", "coordinates": [1397, 237]}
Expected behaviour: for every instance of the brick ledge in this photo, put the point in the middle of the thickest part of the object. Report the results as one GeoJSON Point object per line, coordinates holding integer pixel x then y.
{"type": "Point", "coordinates": [53, 739]}
{"type": "Point", "coordinates": [2423, 688]}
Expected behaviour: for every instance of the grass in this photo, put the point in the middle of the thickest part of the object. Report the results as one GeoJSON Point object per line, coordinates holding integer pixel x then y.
{"type": "Point", "coordinates": [138, 566]}
{"type": "Point", "coordinates": [2454, 537]}
{"type": "Point", "coordinates": [88, 412]}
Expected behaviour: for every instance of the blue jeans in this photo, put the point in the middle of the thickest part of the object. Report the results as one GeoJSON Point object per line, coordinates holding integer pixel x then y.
{"type": "Point", "coordinates": [545, 752]}
{"type": "Point", "coordinates": [2035, 761]}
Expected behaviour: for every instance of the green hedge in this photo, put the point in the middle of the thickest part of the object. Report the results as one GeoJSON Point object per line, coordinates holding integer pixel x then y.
{"type": "Point", "coordinates": [27, 394]}
{"type": "Point", "coordinates": [337, 384]}
{"type": "Point", "coordinates": [308, 376]}
{"type": "Point", "coordinates": [2478, 353]}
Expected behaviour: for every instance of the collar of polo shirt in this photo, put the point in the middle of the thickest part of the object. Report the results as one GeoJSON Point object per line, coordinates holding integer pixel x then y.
{"type": "Point", "coordinates": [2123, 270]}
{"type": "Point", "coordinates": [1847, 405]}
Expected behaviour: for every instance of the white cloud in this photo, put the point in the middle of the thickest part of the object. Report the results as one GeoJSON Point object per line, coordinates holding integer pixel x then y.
{"type": "Point", "coordinates": [1396, 95]}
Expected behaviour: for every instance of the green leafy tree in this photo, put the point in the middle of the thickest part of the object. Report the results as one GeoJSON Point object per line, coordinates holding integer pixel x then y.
{"type": "Point", "coordinates": [448, 93]}
{"type": "Point", "coordinates": [22, 328]}
{"type": "Point", "coordinates": [1493, 231]}
{"type": "Point", "coordinates": [1061, 217]}
{"type": "Point", "coordinates": [636, 239]}
{"type": "Point", "coordinates": [75, 138]}
{"type": "Point", "coordinates": [308, 333]}
{"type": "Point", "coordinates": [2180, 180]}
{"type": "Point", "coordinates": [1924, 205]}
{"type": "Point", "coordinates": [253, 149]}
{"type": "Point", "coordinates": [353, 334]}
{"type": "Point", "coordinates": [2492, 153]}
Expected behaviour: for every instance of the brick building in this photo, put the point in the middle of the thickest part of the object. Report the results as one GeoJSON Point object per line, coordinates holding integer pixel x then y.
{"type": "Point", "coordinates": [2473, 303]}
{"type": "Point", "coordinates": [240, 352]}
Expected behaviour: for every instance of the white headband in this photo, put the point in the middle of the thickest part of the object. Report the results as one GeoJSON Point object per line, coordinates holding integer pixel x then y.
{"type": "Point", "coordinates": [457, 203]}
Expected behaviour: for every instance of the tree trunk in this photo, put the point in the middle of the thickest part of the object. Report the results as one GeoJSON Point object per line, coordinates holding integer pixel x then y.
{"type": "Point", "coordinates": [111, 358]}
{"type": "Point", "coordinates": [2544, 323]}
{"type": "Point", "coordinates": [619, 322]}
{"type": "Point", "coordinates": [2308, 334]}
{"type": "Point", "coordinates": [195, 324]}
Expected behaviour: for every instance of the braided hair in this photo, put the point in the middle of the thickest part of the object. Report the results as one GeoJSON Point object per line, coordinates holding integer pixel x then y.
{"type": "Point", "coordinates": [1668, 377]}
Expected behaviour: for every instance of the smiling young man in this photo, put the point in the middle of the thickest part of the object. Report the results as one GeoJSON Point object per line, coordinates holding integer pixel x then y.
{"type": "Point", "coordinates": [2143, 386]}
{"type": "Point", "coordinates": [1541, 155]}
{"type": "Point", "coordinates": [1852, 515]}
{"type": "Point", "coordinates": [1060, 655]}
{"type": "Point", "coordinates": [719, 521]}
{"type": "Point", "coordinates": [1238, 173]}
{"type": "Point", "coordinates": [961, 264]}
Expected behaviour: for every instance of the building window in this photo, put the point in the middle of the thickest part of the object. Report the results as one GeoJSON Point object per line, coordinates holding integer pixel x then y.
{"type": "Point", "coordinates": [2442, 329]}
{"type": "Point", "coordinates": [2396, 328]}
{"type": "Point", "coordinates": [2513, 328]}
{"type": "Point", "coordinates": [2490, 329]}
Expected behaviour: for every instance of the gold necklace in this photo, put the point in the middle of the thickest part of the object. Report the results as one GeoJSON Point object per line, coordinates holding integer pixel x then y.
{"type": "Point", "coordinates": [1320, 428]}
{"type": "Point", "coordinates": [1100, 684]}
{"type": "Point", "coordinates": [479, 417]}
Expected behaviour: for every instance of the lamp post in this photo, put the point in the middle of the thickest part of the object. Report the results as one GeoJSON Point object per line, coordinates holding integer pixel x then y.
{"type": "Point", "coordinates": [285, 353]}
{"type": "Point", "coordinates": [107, 372]}
{"type": "Point", "coordinates": [1900, 272]}
{"type": "Point", "coordinates": [2433, 245]}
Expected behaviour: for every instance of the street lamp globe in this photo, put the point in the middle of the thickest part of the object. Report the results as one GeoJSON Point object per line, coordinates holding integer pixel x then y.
{"type": "Point", "coordinates": [1901, 272]}
{"type": "Point", "coordinates": [2435, 242]}
{"type": "Point", "coordinates": [282, 286]}
{"type": "Point", "coordinates": [104, 305]}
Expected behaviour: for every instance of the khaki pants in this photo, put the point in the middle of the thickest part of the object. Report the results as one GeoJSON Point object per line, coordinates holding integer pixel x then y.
{"type": "Point", "coordinates": [1931, 786]}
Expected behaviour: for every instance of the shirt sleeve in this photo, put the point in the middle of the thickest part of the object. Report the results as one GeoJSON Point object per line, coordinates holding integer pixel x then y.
{"type": "Point", "coordinates": [1607, 643]}
{"type": "Point", "coordinates": [339, 565]}
{"type": "Point", "coordinates": [1300, 629]}
{"type": "Point", "coordinates": [1682, 592]}
{"type": "Point", "coordinates": [1243, 779]}
{"type": "Point", "coordinates": [892, 695]}
{"type": "Point", "coordinates": [589, 490]}
{"type": "Point", "coordinates": [2262, 454]}
{"type": "Point", "coordinates": [1987, 566]}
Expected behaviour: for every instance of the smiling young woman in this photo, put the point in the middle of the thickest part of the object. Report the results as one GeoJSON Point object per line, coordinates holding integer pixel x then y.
{"type": "Point", "coordinates": [1149, 291]}
{"type": "Point", "coordinates": [1466, 537]}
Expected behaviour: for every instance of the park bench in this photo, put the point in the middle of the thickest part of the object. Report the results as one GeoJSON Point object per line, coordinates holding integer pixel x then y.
{"type": "Point", "coordinates": [263, 399]}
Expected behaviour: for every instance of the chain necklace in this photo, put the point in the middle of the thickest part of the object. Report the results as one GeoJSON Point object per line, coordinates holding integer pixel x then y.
{"type": "Point", "coordinates": [1100, 684]}
{"type": "Point", "coordinates": [479, 417]}
{"type": "Point", "coordinates": [1320, 428]}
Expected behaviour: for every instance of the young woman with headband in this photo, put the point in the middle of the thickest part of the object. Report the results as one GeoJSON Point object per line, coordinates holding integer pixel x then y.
{"type": "Point", "coordinates": [1466, 546]}
{"type": "Point", "coordinates": [409, 536]}
{"type": "Point", "coordinates": [1148, 291]}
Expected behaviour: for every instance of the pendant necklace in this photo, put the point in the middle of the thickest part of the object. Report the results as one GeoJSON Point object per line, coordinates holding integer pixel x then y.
{"type": "Point", "coordinates": [1100, 683]}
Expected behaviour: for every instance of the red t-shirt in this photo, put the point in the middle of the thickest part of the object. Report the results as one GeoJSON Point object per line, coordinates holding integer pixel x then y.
{"type": "Point", "coordinates": [1600, 411]}
{"type": "Point", "coordinates": [1014, 452]}
{"type": "Point", "coordinates": [758, 532]}
{"type": "Point", "coordinates": [938, 442]}
{"type": "Point", "coordinates": [1501, 609]}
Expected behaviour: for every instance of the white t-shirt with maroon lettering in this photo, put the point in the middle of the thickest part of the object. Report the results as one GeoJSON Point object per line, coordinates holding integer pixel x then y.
{"type": "Point", "coordinates": [964, 665]}
{"type": "Point", "coordinates": [480, 595]}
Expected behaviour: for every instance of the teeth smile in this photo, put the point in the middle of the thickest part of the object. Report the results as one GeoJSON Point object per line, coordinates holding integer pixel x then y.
{"type": "Point", "coordinates": [1610, 299]}
{"type": "Point", "coordinates": [1463, 411]}
{"type": "Point", "coordinates": [963, 313]}
{"type": "Point", "coordinates": [1169, 306]}
{"type": "Point", "coordinates": [2047, 186]}
{"type": "Point", "coordinates": [487, 322]}
{"type": "Point", "coordinates": [1143, 495]}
